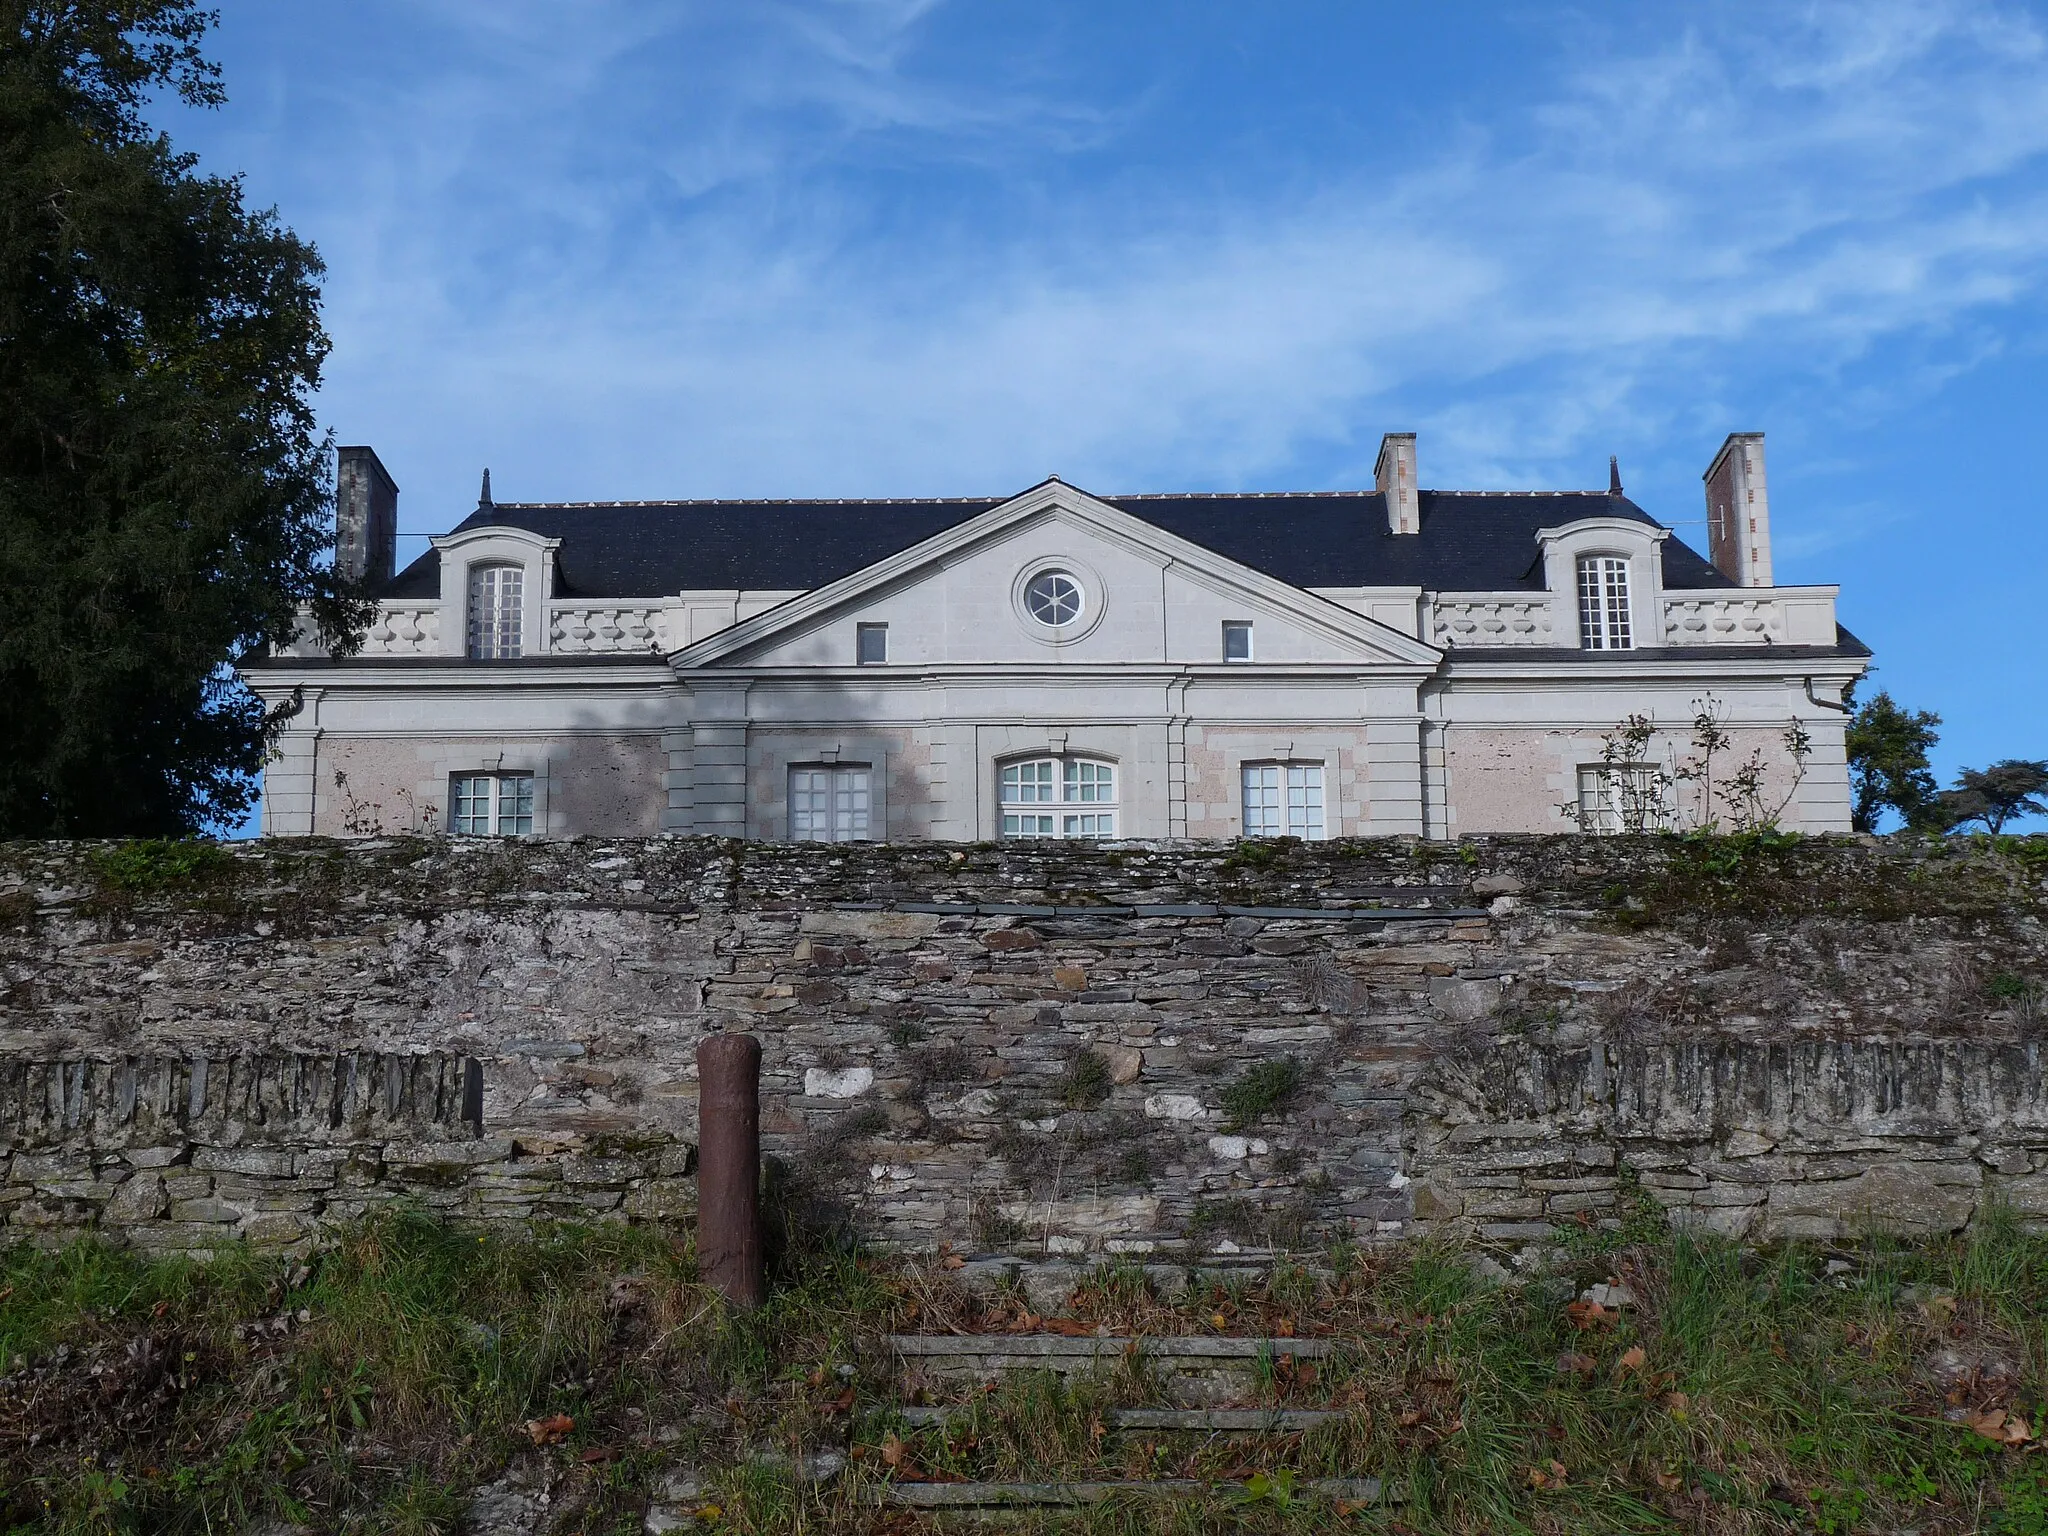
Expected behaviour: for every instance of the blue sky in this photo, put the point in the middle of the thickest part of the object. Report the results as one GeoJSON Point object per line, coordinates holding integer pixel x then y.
{"type": "Point", "coordinates": [645, 248]}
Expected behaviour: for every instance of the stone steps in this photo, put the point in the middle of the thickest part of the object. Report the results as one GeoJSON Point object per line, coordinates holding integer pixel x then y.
{"type": "Point", "coordinates": [1047, 1283]}
{"type": "Point", "coordinates": [1003, 1496]}
{"type": "Point", "coordinates": [1189, 1371]}
{"type": "Point", "coordinates": [1061, 1353]}
{"type": "Point", "coordinates": [1187, 1420]}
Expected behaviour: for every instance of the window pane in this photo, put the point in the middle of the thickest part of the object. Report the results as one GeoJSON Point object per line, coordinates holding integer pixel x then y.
{"type": "Point", "coordinates": [810, 791]}
{"type": "Point", "coordinates": [849, 804]}
{"type": "Point", "coordinates": [829, 805]}
{"type": "Point", "coordinates": [515, 804]}
{"type": "Point", "coordinates": [1628, 798]}
{"type": "Point", "coordinates": [1028, 783]}
{"type": "Point", "coordinates": [1027, 826]}
{"type": "Point", "coordinates": [1603, 604]}
{"type": "Point", "coordinates": [872, 644]}
{"type": "Point", "coordinates": [1261, 799]}
{"type": "Point", "coordinates": [496, 601]}
{"type": "Point", "coordinates": [469, 806]}
{"type": "Point", "coordinates": [1094, 824]}
{"type": "Point", "coordinates": [1091, 783]}
{"type": "Point", "coordinates": [1305, 800]}
{"type": "Point", "coordinates": [1237, 642]}
{"type": "Point", "coordinates": [1053, 598]}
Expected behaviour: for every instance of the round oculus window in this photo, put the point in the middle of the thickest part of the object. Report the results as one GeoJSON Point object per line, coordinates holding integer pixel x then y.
{"type": "Point", "coordinates": [1053, 598]}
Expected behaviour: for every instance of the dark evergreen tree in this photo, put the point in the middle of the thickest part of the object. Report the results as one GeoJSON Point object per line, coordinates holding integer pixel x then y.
{"type": "Point", "coordinates": [164, 502]}
{"type": "Point", "coordinates": [1888, 766]}
{"type": "Point", "coordinates": [2003, 792]}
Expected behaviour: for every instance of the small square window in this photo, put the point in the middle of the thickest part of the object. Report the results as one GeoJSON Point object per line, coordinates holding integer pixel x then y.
{"type": "Point", "coordinates": [829, 803]}
{"type": "Point", "coordinates": [1237, 640]}
{"type": "Point", "coordinates": [871, 644]}
{"type": "Point", "coordinates": [1627, 797]}
{"type": "Point", "coordinates": [1283, 800]}
{"type": "Point", "coordinates": [491, 805]}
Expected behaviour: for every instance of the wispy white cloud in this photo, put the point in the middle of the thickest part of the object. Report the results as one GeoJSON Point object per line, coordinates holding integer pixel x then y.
{"type": "Point", "coordinates": [672, 253]}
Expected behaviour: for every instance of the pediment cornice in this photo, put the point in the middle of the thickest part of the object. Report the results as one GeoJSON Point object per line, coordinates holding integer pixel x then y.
{"type": "Point", "coordinates": [1374, 642]}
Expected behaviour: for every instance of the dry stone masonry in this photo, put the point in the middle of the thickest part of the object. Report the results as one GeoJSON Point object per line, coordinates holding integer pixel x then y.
{"type": "Point", "coordinates": [1040, 1049]}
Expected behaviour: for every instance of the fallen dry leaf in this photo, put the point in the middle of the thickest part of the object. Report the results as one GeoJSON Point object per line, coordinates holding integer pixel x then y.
{"type": "Point", "coordinates": [1553, 1476]}
{"type": "Point", "coordinates": [1284, 1329]}
{"type": "Point", "coordinates": [1677, 1402]}
{"type": "Point", "coordinates": [547, 1431]}
{"type": "Point", "coordinates": [892, 1452]}
{"type": "Point", "coordinates": [1634, 1360]}
{"type": "Point", "coordinates": [1587, 1315]}
{"type": "Point", "coordinates": [952, 1261]}
{"type": "Point", "coordinates": [2003, 1427]}
{"type": "Point", "coordinates": [1670, 1482]}
{"type": "Point", "coordinates": [1218, 1320]}
{"type": "Point", "coordinates": [843, 1403]}
{"type": "Point", "coordinates": [1572, 1363]}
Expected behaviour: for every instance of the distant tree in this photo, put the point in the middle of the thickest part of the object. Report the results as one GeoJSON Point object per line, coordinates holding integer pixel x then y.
{"type": "Point", "coordinates": [1888, 766]}
{"type": "Point", "coordinates": [163, 492]}
{"type": "Point", "coordinates": [2003, 792]}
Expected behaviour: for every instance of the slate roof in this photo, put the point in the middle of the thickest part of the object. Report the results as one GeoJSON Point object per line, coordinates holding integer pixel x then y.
{"type": "Point", "coordinates": [1471, 541]}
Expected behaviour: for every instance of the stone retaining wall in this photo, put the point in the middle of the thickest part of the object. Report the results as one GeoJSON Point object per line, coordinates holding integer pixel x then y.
{"type": "Point", "coordinates": [1148, 1048]}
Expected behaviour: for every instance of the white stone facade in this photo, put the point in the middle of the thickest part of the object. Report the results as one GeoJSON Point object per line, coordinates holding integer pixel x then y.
{"type": "Point", "coordinates": [743, 712]}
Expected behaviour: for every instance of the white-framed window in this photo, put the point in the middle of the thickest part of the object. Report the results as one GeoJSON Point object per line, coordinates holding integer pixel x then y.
{"type": "Point", "coordinates": [1624, 797]}
{"type": "Point", "coordinates": [1054, 599]}
{"type": "Point", "coordinates": [490, 804]}
{"type": "Point", "coordinates": [830, 803]}
{"type": "Point", "coordinates": [1284, 800]}
{"type": "Point", "coordinates": [1237, 640]}
{"type": "Point", "coordinates": [497, 600]}
{"type": "Point", "coordinates": [871, 644]}
{"type": "Point", "coordinates": [1058, 797]}
{"type": "Point", "coordinates": [1603, 604]}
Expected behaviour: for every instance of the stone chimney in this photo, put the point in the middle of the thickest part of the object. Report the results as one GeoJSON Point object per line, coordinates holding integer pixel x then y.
{"type": "Point", "coordinates": [1739, 511]}
{"type": "Point", "coordinates": [1394, 477]}
{"type": "Point", "coordinates": [365, 516]}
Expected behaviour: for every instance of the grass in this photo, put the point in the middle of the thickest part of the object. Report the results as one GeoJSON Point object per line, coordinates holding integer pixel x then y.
{"type": "Point", "coordinates": [158, 864]}
{"type": "Point", "coordinates": [1260, 1090]}
{"type": "Point", "coordinates": [375, 1387]}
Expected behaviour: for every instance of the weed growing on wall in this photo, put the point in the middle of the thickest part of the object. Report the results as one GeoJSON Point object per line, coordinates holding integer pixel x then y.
{"type": "Point", "coordinates": [159, 864]}
{"type": "Point", "coordinates": [1261, 1090]}
{"type": "Point", "coordinates": [1634, 791]}
{"type": "Point", "coordinates": [1086, 1082]}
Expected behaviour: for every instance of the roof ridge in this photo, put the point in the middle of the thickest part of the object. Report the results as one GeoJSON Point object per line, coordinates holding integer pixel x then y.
{"type": "Point", "coordinates": [968, 501]}
{"type": "Point", "coordinates": [1222, 495]}
{"type": "Point", "coordinates": [757, 501]}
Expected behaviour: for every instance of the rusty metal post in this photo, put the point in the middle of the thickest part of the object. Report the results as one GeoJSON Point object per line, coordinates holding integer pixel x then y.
{"type": "Point", "coordinates": [729, 1168]}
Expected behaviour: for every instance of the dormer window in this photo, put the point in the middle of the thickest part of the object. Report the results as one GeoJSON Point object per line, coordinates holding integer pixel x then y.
{"type": "Point", "coordinates": [1603, 604]}
{"type": "Point", "coordinates": [497, 600]}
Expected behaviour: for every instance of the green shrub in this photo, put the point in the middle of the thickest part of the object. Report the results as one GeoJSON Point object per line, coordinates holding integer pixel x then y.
{"type": "Point", "coordinates": [154, 864]}
{"type": "Point", "coordinates": [1260, 1090]}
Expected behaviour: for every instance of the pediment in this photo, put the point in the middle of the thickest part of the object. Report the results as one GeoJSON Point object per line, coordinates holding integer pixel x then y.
{"type": "Point", "coordinates": [965, 597]}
